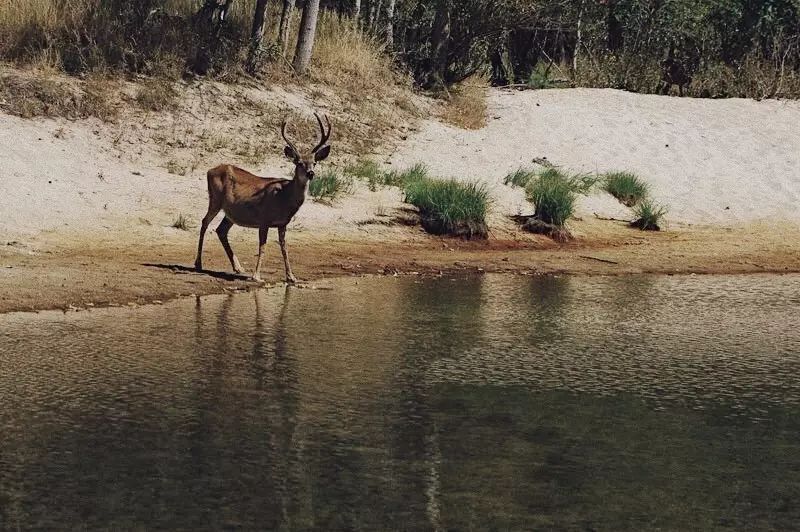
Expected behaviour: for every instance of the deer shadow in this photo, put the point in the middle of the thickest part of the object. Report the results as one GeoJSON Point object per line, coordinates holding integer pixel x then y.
{"type": "Point", "coordinates": [187, 270]}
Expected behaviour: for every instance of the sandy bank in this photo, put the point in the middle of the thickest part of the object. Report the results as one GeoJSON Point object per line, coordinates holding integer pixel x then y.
{"type": "Point", "coordinates": [86, 220]}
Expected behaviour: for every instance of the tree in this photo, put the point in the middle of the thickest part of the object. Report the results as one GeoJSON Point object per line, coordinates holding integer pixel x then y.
{"type": "Point", "coordinates": [256, 37]}
{"type": "Point", "coordinates": [283, 29]}
{"type": "Point", "coordinates": [305, 39]}
{"type": "Point", "coordinates": [390, 23]}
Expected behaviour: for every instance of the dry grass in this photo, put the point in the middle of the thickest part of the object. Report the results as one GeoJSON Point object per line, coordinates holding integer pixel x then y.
{"type": "Point", "coordinates": [157, 95]}
{"type": "Point", "coordinates": [351, 79]}
{"type": "Point", "coordinates": [36, 94]}
{"type": "Point", "coordinates": [466, 105]}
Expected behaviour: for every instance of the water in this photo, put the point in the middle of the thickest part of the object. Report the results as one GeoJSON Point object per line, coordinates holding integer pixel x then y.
{"type": "Point", "coordinates": [630, 403]}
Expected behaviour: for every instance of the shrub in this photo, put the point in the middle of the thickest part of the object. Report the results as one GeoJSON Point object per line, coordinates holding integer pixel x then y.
{"type": "Point", "coordinates": [330, 186]}
{"type": "Point", "coordinates": [627, 187]}
{"type": "Point", "coordinates": [553, 196]}
{"type": "Point", "coordinates": [648, 215]}
{"type": "Point", "coordinates": [449, 206]}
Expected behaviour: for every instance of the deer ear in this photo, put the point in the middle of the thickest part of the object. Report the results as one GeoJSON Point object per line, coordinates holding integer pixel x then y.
{"type": "Point", "coordinates": [322, 153]}
{"type": "Point", "coordinates": [289, 152]}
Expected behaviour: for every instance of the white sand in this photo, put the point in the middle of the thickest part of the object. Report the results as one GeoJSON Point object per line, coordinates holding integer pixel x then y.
{"type": "Point", "coordinates": [710, 161]}
{"type": "Point", "coordinates": [721, 162]}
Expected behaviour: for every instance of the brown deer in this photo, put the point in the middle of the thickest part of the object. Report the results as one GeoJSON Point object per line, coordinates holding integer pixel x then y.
{"type": "Point", "coordinates": [261, 202]}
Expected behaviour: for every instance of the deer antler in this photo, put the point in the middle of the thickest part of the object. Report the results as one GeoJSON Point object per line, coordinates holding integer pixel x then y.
{"type": "Point", "coordinates": [325, 135]}
{"type": "Point", "coordinates": [285, 138]}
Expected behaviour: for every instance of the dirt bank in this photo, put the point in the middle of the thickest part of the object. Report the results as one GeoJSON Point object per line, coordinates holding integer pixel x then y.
{"type": "Point", "coordinates": [75, 273]}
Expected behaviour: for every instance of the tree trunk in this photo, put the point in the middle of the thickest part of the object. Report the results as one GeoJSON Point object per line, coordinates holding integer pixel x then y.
{"type": "Point", "coordinates": [305, 39]}
{"type": "Point", "coordinates": [208, 22]}
{"type": "Point", "coordinates": [356, 9]}
{"type": "Point", "coordinates": [257, 37]}
{"type": "Point", "coordinates": [390, 24]}
{"type": "Point", "coordinates": [286, 20]}
{"type": "Point", "coordinates": [374, 14]}
{"type": "Point", "coordinates": [440, 41]}
{"type": "Point", "coordinates": [578, 41]}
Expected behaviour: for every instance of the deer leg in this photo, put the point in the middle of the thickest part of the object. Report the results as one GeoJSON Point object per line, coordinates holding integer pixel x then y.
{"type": "Point", "coordinates": [262, 239]}
{"type": "Point", "coordinates": [222, 232]}
{"type": "Point", "coordinates": [213, 210]}
{"type": "Point", "coordinates": [290, 278]}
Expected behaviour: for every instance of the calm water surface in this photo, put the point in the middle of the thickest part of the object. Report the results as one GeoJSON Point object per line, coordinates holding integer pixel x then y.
{"type": "Point", "coordinates": [507, 403]}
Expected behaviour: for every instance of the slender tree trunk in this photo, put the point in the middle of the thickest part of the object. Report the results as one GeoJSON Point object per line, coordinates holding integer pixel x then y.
{"type": "Point", "coordinates": [305, 39]}
{"type": "Point", "coordinates": [578, 40]}
{"type": "Point", "coordinates": [257, 37]}
{"type": "Point", "coordinates": [209, 21]}
{"type": "Point", "coordinates": [390, 24]}
{"type": "Point", "coordinates": [286, 20]}
{"type": "Point", "coordinates": [440, 40]}
{"type": "Point", "coordinates": [356, 9]}
{"type": "Point", "coordinates": [374, 14]}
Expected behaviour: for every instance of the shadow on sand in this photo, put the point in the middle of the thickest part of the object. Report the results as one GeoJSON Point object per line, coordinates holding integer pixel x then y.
{"type": "Point", "coordinates": [181, 269]}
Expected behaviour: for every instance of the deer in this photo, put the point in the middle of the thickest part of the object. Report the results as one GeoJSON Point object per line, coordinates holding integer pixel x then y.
{"type": "Point", "coordinates": [261, 202]}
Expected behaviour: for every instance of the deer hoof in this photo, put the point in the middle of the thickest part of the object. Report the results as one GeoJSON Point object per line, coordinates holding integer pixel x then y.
{"type": "Point", "coordinates": [291, 279]}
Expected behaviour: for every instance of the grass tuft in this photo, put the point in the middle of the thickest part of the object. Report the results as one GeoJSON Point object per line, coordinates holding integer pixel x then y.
{"type": "Point", "coordinates": [648, 215]}
{"type": "Point", "coordinates": [520, 177]}
{"type": "Point", "coordinates": [370, 172]}
{"type": "Point", "coordinates": [182, 223]}
{"type": "Point", "coordinates": [450, 207]}
{"type": "Point", "coordinates": [401, 179]}
{"type": "Point", "coordinates": [366, 170]}
{"type": "Point", "coordinates": [627, 187]}
{"type": "Point", "coordinates": [330, 186]}
{"type": "Point", "coordinates": [553, 195]}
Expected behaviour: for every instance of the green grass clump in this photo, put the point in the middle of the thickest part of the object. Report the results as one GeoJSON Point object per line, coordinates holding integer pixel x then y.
{"type": "Point", "coordinates": [449, 206]}
{"type": "Point", "coordinates": [520, 177]}
{"type": "Point", "coordinates": [401, 179]}
{"type": "Point", "coordinates": [366, 170]}
{"type": "Point", "coordinates": [330, 186]}
{"type": "Point", "coordinates": [370, 172]}
{"type": "Point", "coordinates": [553, 195]}
{"type": "Point", "coordinates": [648, 215]}
{"type": "Point", "coordinates": [627, 187]}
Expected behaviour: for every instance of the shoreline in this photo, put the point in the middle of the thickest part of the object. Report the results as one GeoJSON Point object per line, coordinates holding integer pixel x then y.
{"type": "Point", "coordinates": [77, 272]}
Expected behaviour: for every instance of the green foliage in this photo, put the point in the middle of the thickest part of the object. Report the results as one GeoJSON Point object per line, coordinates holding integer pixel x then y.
{"type": "Point", "coordinates": [648, 215]}
{"type": "Point", "coordinates": [553, 196]}
{"type": "Point", "coordinates": [330, 186]}
{"type": "Point", "coordinates": [627, 187]}
{"type": "Point", "coordinates": [519, 177]}
{"type": "Point", "coordinates": [449, 206]}
{"type": "Point", "coordinates": [370, 172]}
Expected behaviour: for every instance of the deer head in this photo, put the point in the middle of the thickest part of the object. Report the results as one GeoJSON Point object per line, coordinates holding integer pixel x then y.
{"type": "Point", "coordinates": [304, 161]}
